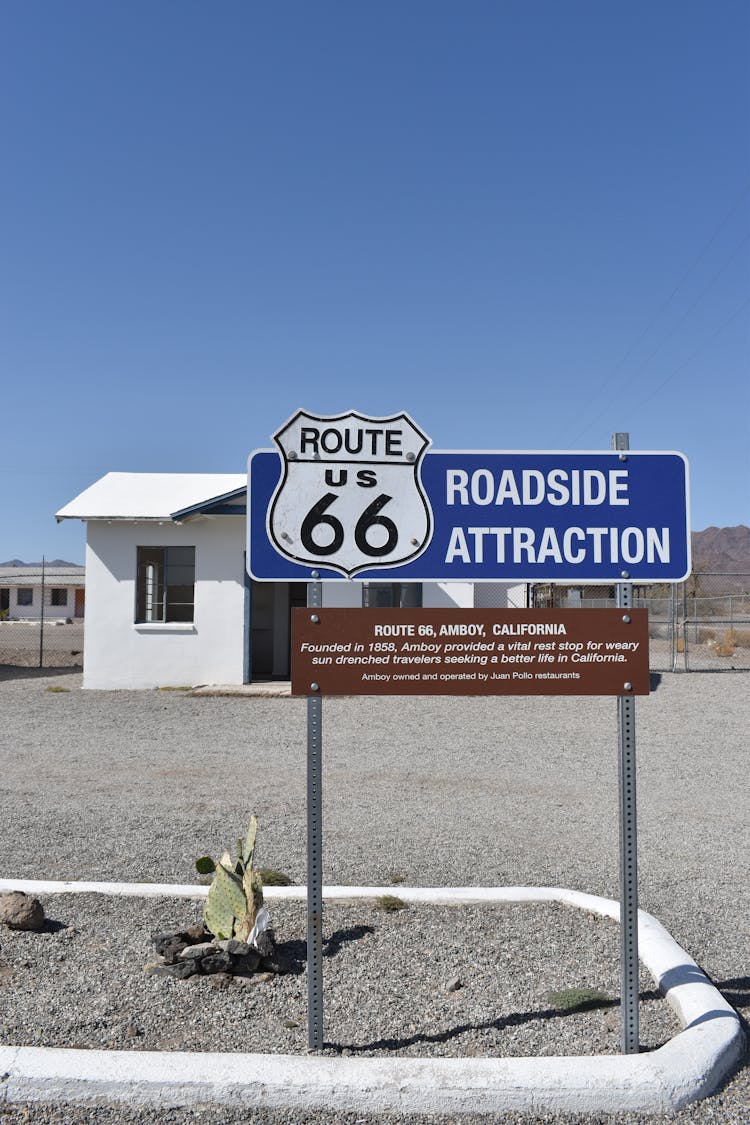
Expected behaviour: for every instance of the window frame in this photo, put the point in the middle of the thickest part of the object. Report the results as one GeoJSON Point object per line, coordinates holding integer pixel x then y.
{"type": "Point", "coordinates": [166, 604]}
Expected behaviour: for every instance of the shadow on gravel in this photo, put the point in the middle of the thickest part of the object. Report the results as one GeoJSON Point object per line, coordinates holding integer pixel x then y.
{"type": "Point", "coordinates": [737, 991]}
{"type": "Point", "coordinates": [499, 1024]}
{"type": "Point", "coordinates": [294, 953]}
{"type": "Point", "coordinates": [17, 672]}
{"type": "Point", "coordinates": [50, 926]}
{"type": "Point", "coordinates": [336, 942]}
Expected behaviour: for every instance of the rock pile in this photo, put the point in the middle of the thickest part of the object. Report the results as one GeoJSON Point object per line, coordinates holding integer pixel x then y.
{"type": "Point", "coordinates": [195, 950]}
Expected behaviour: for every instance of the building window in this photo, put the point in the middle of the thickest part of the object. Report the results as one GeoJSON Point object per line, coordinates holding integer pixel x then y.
{"type": "Point", "coordinates": [392, 595]}
{"type": "Point", "coordinates": [165, 584]}
{"type": "Point", "coordinates": [58, 597]}
{"type": "Point", "coordinates": [25, 597]}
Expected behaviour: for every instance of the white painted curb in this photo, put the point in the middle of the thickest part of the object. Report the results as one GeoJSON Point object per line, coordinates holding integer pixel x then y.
{"type": "Point", "coordinates": [690, 1066]}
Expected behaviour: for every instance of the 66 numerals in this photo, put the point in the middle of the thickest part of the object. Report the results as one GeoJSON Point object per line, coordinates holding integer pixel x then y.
{"type": "Point", "coordinates": [319, 516]}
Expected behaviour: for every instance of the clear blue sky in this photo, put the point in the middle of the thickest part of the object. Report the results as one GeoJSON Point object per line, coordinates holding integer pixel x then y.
{"type": "Point", "coordinates": [527, 223]}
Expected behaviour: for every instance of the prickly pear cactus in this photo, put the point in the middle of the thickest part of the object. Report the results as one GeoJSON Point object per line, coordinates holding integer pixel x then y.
{"type": "Point", "coordinates": [225, 904]}
{"type": "Point", "coordinates": [236, 893]}
{"type": "Point", "coordinates": [248, 851]}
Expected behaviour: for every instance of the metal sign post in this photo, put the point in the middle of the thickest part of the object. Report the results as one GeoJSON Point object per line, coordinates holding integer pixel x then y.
{"type": "Point", "coordinates": [629, 1031]}
{"type": "Point", "coordinates": [314, 851]}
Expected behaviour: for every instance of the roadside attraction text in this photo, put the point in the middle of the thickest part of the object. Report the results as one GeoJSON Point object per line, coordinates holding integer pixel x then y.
{"type": "Point", "coordinates": [380, 501]}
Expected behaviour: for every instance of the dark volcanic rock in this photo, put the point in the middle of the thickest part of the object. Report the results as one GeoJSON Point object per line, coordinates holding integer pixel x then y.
{"type": "Point", "coordinates": [183, 969]}
{"type": "Point", "coordinates": [218, 962]}
{"type": "Point", "coordinates": [194, 950]}
{"type": "Point", "coordinates": [169, 946]}
{"type": "Point", "coordinates": [247, 963]}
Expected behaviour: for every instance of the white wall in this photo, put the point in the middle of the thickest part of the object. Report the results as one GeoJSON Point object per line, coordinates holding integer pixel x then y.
{"type": "Point", "coordinates": [448, 595]}
{"type": "Point", "coordinates": [499, 595]}
{"type": "Point", "coordinates": [33, 612]}
{"type": "Point", "coordinates": [121, 654]}
{"type": "Point", "coordinates": [438, 595]}
{"type": "Point", "coordinates": [342, 595]}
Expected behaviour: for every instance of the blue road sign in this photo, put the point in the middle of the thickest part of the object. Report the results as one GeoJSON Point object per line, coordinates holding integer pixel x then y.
{"type": "Point", "coordinates": [572, 517]}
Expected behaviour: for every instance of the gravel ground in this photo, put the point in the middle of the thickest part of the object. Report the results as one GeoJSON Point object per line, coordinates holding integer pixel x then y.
{"type": "Point", "coordinates": [135, 785]}
{"type": "Point", "coordinates": [448, 981]}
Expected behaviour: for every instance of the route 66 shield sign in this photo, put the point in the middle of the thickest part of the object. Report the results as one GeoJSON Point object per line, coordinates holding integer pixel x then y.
{"type": "Point", "coordinates": [350, 497]}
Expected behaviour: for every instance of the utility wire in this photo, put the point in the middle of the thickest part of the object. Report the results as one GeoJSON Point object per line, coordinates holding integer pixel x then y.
{"type": "Point", "coordinates": [725, 324]}
{"type": "Point", "coordinates": [672, 330]}
{"type": "Point", "coordinates": [695, 303]}
{"type": "Point", "coordinates": [616, 370]}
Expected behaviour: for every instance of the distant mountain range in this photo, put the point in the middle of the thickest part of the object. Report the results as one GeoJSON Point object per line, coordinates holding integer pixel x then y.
{"type": "Point", "coordinates": [725, 551]}
{"type": "Point", "coordinates": [38, 565]}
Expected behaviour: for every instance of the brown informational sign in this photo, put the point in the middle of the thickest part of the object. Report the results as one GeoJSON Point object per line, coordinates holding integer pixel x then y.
{"type": "Point", "coordinates": [470, 652]}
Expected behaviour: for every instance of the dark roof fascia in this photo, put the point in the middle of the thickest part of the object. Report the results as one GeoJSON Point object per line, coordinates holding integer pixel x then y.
{"type": "Point", "coordinates": [216, 505]}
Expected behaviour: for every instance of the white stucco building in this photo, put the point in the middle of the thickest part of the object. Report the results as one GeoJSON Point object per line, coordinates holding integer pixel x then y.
{"type": "Point", "coordinates": [168, 599]}
{"type": "Point", "coordinates": [55, 592]}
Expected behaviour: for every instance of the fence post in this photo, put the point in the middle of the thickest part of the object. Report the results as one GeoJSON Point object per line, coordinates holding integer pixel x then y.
{"type": "Point", "coordinates": [41, 623]}
{"type": "Point", "coordinates": [673, 627]}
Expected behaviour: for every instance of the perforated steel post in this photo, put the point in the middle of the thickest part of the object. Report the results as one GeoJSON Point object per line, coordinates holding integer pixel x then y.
{"type": "Point", "coordinates": [314, 851]}
{"type": "Point", "coordinates": [629, 1028]}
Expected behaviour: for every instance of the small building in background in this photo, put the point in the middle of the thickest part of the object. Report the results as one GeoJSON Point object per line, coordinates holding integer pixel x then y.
{"type": "Point", "coordinates": [169, 601]}
{"type": "Point", "coordinates": [30, 591]}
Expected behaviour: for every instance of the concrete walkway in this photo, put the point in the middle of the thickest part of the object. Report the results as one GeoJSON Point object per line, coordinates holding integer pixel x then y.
{"type": "Point", "coordinates": [259, 690]}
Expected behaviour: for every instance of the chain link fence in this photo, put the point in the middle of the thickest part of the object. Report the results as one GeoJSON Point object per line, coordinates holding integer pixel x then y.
{"type": "Point", "coordinates": [713, 623]}
{"type": "Point", "coordinates": [696, 626]}
{"type": "Point", "coordinates": [33, 644]}
{"type": "Point", "coordinates": [41, 616]}
{"type": "Point", "coordinates": [702, 625]}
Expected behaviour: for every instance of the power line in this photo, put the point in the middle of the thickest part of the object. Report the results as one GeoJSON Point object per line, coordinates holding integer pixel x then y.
{"type": "Point", "coordinates": [672, 330]}
{"type": "Point", "coordinates": [691, 357]}
{"type": "Point", "coordinates": [695, 303]}
{"type": "Point", "coordinates": [697, 260]}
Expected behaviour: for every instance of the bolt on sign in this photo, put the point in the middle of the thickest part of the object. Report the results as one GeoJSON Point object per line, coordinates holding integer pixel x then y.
{"type": "Point", "coordinates": [470, 652]}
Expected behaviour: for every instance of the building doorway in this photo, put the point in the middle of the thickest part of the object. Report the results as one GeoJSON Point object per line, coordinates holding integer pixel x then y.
{"type": "Point", "coordinates": [271, 606]}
